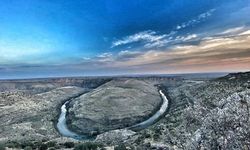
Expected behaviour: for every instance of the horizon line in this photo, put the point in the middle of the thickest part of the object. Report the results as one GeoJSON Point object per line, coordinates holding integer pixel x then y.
{"type": "Point", "coordinates": [118, 75]}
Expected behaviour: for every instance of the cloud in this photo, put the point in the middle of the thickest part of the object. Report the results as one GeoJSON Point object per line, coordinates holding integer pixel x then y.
{"type": "Point", "coordinates": [234, 46]}
{"type": "Point", "coordinates": [208, 51]}
{"type": "Point", "coordinates": [127, 55]}
{"type": "Point", "coordinates": [105, 57]}
{"type": "Point", "coordinates": [213, 53]}
{"type": "Point", "coordinates": [110, 58]}
{"type": "Point", "coordinates": [245, 33]}
{"type": "Point", "coordinates": [196, 20]}
{"type": "Point", "coordinates": [216, 53]}
{"type": "Point", "coordinates": [101, 58]}
{"type": "Point", "coordinates": [171, 41]}
{"type": "Point", "coordinates": [233, 30]}
{"type": "Point", "coordinates": [206, 14]}
{"type": "Point", "coordinates": [187, 38]}
{"type": "Point", "coordinates": [152, 39]}
{"type": "Point", "coordinates": [159, 43]}
{"type": "Point", "coordinates": [145, 36]}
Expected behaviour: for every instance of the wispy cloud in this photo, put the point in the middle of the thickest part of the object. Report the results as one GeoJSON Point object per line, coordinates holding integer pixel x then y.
{"type": "Point", "coordinates": [127, 55]}
{"type": "Point", "coordinates": [186, 38]}
{"type": "Point", "coordinates": [159, 43]}
{"type": "Point", "coordinates": [245, 32]}
{"type": "Point", "coordinates": [196, 20]}
{"type": "Point", "coordinates": [219, 51]}
{"type": "Point", "coordinates": [152, 39]}
{"type": "Point", "coordinates": [233, 30]}
{"type": "Point", "coordinates": [171, 41]}
{"type": "Point", "coordinates": [104, 57]}
{"type": "Point", "coordinates": [146, 36]}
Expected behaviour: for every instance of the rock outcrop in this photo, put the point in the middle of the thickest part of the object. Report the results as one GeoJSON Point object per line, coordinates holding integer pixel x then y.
{"type": "Point", "coordinates": [114, 105]}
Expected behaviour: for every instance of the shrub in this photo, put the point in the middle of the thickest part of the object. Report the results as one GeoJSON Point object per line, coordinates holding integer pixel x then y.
{"type": "Point", "coordinates": [121, 147]}
{"type": "Point", "coordinates": [51, 144]}
{"type": "Point", "coordinates": [156, 136]}
{"type": "Point", "coordinates": [13, 144]}
{"type": "Point", "coordinates": [25, 144]}
{"type": "Point", "coordinates": [28, 148]}
{"type": "Point", "coordinates": [37, 144]}
{"type": "Point", "coordinates": [69, 144]}
{"type": "Point", "coordinates": [2, 147]}
{"type": "Point", "coordinates": [44, 140]}
{"type": "Point", "coordinates": [87, 146]}
{"type": "Point", "coordinates": [43, 147]}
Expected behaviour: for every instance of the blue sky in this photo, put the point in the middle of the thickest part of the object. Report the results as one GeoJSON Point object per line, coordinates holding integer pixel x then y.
{"type": "Point", "coordinates": [40, 38]}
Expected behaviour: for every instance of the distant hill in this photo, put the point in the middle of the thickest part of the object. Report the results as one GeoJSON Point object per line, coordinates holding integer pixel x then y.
{"type": "Point", "coordinates": [240, 76]}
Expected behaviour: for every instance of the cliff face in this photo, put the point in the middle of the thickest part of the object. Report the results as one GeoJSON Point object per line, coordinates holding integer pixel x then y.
{"type": "Point", "coordinates": [116, 104]}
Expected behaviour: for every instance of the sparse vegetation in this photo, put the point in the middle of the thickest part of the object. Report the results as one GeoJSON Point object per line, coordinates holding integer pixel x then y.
{"type": "Point", "coordinates": [28, 148]}
{"type": "Point", "coordinates": [51, 144]}
{"type": "Point", "coordinates": [2, 146]}
{"type": "Point", "coordinates": [213, 114]}
{"type": "Point", "coordinates": [69, 144]}
{"type": "Point", "coordinates": [120, 147]}
{"type": "Point", "coordinates": [88, 146]}
{"type": "Point", "coordinates": [43, 147]}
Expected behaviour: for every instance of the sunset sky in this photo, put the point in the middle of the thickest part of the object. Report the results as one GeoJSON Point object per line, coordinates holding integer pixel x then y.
{"type": "Point", "coordinates": [49, 38]}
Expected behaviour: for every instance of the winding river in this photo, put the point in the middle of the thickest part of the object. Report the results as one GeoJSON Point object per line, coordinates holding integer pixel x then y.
{"type": "Point", "coordinates": [155, 117]}
{"type": "Point", "coordinates": [62, 126]}
{"type": "Point", "coordinates": [64, 130]}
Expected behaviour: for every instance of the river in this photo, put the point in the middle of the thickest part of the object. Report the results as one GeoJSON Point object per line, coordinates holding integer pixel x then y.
{"type": "Point", "coordinates": [62, 126]}
{"type": "Point", "coordinates": [64, 130]}
{"type": "Point", "coordinates": [155, 117]}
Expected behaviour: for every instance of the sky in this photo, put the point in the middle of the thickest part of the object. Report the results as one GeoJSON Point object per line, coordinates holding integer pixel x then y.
{"type": "Point", "coordinates": [50, 38]}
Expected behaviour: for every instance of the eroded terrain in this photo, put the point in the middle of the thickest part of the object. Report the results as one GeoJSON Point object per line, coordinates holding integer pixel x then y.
{"type": "Point", "coordinates": [203, 114]}
{"type": "Point", "coordinates": [116, 104]}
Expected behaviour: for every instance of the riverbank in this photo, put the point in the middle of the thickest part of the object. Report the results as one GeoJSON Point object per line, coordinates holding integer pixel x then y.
{"type": "Point", "coordinates": [65, 131]}
{"type": "Point", "coordinates": [115, 105]}
{"type": "Point", "coordinates": [32, 116]}
{"type": "Point", "coordinates": [59, 108]}
{"type": "Point", "coordinates": [162, 110]}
